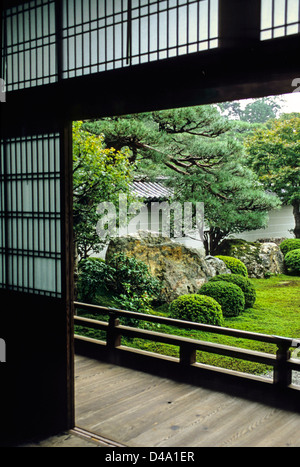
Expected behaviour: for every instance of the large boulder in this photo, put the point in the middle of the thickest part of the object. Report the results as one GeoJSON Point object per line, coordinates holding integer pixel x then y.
{"type": "Point", "coordinates": [260, 259]}
{"type": "Point", "coordinates": [181, 269]}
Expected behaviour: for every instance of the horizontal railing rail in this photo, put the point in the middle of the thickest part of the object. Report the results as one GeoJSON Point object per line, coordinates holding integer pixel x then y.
{"type": "Point", "coordinates": [281, 361]}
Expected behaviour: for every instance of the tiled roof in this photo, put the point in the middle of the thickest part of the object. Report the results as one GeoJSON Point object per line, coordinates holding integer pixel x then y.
{"type": "Point", "coordinates": [150, 190]}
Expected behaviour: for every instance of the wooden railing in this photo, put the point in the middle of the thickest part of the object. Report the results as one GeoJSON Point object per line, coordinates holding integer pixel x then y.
{"type": "Point", "coordinates": [281, 361]}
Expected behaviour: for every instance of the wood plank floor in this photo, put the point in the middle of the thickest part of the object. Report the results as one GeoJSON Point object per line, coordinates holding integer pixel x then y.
{"type": "Point", "coordinates": [141, 410]}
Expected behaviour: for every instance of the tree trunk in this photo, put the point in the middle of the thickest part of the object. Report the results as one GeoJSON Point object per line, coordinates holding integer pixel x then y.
{"type": "Point", "coordinates": [212, 240]}
{"type": "Point", "coordinates": [296, 212]}
{"type": "Point", "coordinates": [206, 242]}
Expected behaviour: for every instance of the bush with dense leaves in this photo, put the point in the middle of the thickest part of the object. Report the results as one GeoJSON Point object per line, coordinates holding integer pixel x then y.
{"type": "Point", "coordinates": [121, 277]}
{"type": "Point", "coordinates": [289, 244]}
{"type": "Point", "coordinates": [198, 309]}
{"type": "Point", "coordinates": [229, 296]}
{"type": "Point", "coordinates": [244, 283]}
{"type": "Point", "coordinates": [129, 270]}
{"type": "Point", "coordinates": [292, 261]}
{"type": "Point", "coordinates": [235, 265]}
{"type": "Point", "coordinates": [94, 275]}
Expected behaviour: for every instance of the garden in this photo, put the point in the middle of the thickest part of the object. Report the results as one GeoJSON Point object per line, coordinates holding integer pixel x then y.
{"type": "Point", "coordinates": [270, 305]}
{"type": "Point", "coordinates": [240, 165]}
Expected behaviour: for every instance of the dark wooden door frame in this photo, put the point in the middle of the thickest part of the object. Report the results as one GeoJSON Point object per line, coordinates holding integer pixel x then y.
{"type": "Point", "coordinates": [242, 67]}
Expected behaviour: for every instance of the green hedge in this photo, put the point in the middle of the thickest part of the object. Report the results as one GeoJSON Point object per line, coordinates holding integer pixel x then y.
{"type": "Point", "coordinates": [289, 244]}
{"type": "Point", "coordinates": [292, 261]}
{"type": "Point", "coordinates": [197, 308]}
{"type": "Point", "coordinates": [229, 296]}
{"type": "Point", "coordinates": [244, 283]}
{"type": "Point", "coordinates": [235, 265]}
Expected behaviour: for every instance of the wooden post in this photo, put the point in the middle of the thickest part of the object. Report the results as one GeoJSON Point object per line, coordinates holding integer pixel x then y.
{"type": "Point", "coordinates": [187, 355]}
{"type": "Point", "coordinates": [113, 338]}
{"type": "Point", "coordinates": [282, 374]}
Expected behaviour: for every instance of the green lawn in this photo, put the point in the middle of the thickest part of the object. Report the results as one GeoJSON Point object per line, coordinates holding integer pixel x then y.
{"type": "Point", "coordinates": [276, 312]}
{"type": "Point", "coordinates": [277, 308]}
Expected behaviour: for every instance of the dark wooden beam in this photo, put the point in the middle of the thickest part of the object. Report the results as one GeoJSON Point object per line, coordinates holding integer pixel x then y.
{"type": "Point", "coordinates": [239, 23]}
{"type": "Point", "coordinates": [209, 77]}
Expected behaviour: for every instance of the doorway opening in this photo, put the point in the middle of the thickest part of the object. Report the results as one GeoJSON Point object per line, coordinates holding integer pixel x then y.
{"type": "Point", "coordinates": [140, 176]}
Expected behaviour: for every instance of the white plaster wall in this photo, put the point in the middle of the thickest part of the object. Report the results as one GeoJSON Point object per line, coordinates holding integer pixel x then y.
{"type": "Point", "coordinates": [280, 223]}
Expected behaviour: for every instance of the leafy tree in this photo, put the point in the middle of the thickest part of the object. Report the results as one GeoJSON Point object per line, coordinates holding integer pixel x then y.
{"type": "Point", "coordinates": [256, 111]}
{"type": "Point", "coordinates": [261, 110]}
{"type": "Point", "coordinates": [99, 174]}
{"type": "Point", "coordinates": [274, 154]}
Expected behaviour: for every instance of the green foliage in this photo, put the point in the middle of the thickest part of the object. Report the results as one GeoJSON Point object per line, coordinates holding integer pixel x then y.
{"type": "Point", "coordinates": [197, 308]}
{"type": "Point", "coordinates": [275, 312]}
{"type": "Point", "coordinates": [128, 281]}
{"type": "Point", "coordinates": [273, 153]}
{"type": "Point", "coordinates": [235, 265]}
{"type": "Point", "coordinates": [229, 296]}
{"type": "Point", "coordinates": [292, 261]}
{"type": "Point", "coordinates": [234, 200]}
{"type": "Point", "coordinates": [129, 270]}
{"type": "Point", "coordinates": [256, 111]}
{"type": "Point", "coordinates": [99, 175]}
{"type": "Point", "coordinates": [198, 151]}
{"type": "Point", "coordinates": [289, 244]}
{"type": "Point", "coordinates": [133, 301]}
{"type": "Point", "coordinates": [94, 276]}
{"type": "Point", "coordinates": [245, 284]}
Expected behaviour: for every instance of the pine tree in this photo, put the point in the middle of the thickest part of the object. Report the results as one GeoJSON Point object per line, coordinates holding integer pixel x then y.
{"type": "Point", "coordinates": [195, 148]}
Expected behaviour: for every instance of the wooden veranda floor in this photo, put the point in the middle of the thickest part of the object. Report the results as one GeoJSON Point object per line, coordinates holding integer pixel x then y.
{"type": "Point", "coordinates": [137, 409]}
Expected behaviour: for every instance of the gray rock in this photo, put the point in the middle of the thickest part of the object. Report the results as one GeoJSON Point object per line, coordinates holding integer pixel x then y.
{"type": "Point", "coordinates": [259, 258]}
{"type": "Point", "coordinates": [217, 266]}
{"type": "Point", "coordinates": [181, 269]}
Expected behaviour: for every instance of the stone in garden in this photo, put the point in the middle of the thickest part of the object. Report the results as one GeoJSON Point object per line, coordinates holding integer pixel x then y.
{"type": "Point", "coordinates": [181, 269]}
{"type": "Point", "coordinates": [259, 258]}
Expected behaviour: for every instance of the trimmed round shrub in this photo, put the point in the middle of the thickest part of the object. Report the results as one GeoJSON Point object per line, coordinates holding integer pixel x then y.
{"type": "Point", "coordinates": [235, 265]}
{"type": "Point", "coordinates": [289, 244]}
{"type": "Point", "coordinates": [229, 296]}
{"type": "Point", "coordinates": [292, 261]}
{"type": "Point", "coordinates": [244, 283]}
{"type": "Point", "coordinates": [198, 309]}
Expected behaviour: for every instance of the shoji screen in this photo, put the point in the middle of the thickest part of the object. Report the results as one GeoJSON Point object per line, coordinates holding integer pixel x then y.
{"type": "Point", "coordinates": [88, 36]}
{"type": "Point", "coordinates": [169, 28]}
{"type": "Point", "coordinates": [279, 18]}
{"type": "Point", "coordinates": [100, 35]}
{"type": "Point", "coordinates": [30, 238]}
{"type": "Point", "coordinates": [29, 45]}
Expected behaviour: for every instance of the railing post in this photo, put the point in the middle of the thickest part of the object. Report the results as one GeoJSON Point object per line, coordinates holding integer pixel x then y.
{"type": "Point", "coordinates": [282, 373]}
{"type": "Point", "coordinates": [187, 355]}
{"type": "Point", "coordinates": [113, 337]}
